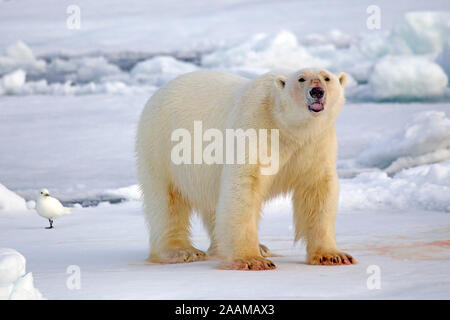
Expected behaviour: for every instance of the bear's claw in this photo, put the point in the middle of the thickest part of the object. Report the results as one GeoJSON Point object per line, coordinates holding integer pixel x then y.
{"type": "Point", "coordinates": [255, 263]}
{"type": "Point", "coordinates": [183, 256]}
{"type": "Point", "coordinates": [332, 258]}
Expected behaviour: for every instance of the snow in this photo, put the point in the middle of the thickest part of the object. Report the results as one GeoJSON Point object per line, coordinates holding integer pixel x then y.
{"type": "Point", "coordinates": [102, 157]}
{"type": "Point", "coordinates": [425, 187]}
{"type": "Point", "coordinates": [262, 53]}
{"type": "Point", "coordinates": [422, 140]}
{"type": "Point", "coordinates": [443, 59]}
{"type": "Point", "coordinates": [109, 244]}
{"type": "Point", "coordinates": [76, 146]}
{"type": "Point", "coordinates": [42, 87]}
{"type": "Point", "coordinates": [438, 174]}
{"type": "Point", "coordinates": [20, 52]}
{"type": "Point", "coordinates": [12, 266]}
{"type": "Point", "coordinates": [407, 78]}
{"type": "Point", "coordinates": [14, 283]}
{"type": "Point", "coordinates": [10, 201]}
{"type": "Point", "coordinates": [399, 223]}
{"type": "Point", "coordinates": [12, 81]}
{"type": "Point", "coordinates": [19, 56]}
{"type": "Point", "coordinates": [159, 70]}
{"type": "Point", "coordinates": [128, 193]}
{"type": "Point", "coordinates": [70, 101]}
{"type": "Point", "coordinates": [175, 25]}
{"type": "Point", "coordinates": [421, 32]}
{"type": "Point", "coordinates": [85, 69]}
{"type": "Point", "coordinates": [406, 60]}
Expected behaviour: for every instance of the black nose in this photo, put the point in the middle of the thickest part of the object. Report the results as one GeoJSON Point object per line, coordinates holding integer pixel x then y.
{"type": "Point", "coordinates": [316, 92]}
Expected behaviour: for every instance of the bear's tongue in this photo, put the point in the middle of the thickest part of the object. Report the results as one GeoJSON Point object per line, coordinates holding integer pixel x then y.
{"type": "Point", "coordinates": [316, 106]}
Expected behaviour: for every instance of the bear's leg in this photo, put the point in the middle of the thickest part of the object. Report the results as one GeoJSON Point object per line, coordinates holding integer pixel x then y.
{"type": "Point", "coordinates": [315, 208]}
{"type": "Point", "coordinates": [237, 218]}
{"type": "Point", "coordinates": [208, 222]}
{"type": "Point", "coordinates": [168, 216]}
{"type": "Point", "coordinates": [208, 219]}
{"type": "Point", "coordinates": [265, 251]}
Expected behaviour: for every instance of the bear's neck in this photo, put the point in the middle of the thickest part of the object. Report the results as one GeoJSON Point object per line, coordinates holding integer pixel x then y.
{"type": "Point", "coordinates": [304, 133]}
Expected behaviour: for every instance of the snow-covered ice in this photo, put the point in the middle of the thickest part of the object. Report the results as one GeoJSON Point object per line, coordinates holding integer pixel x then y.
{"type": "Point", "coordinates": [18, 55]}
{"type": "Point", "coordinates": [12, 81]}
{"type": "Point", "coordinates": [10, 201]}
{"type": "Point", "coordinates": [407, 78]}
{"type": "Point", "coordinates": [421, 32]}
{"type": "Point", "coordinates": [406, 60]}
{"type": "Point", "coordinates": [76, 166]}
{"type": "Point", "coordinates": [159, 70]}
{"type": "Point", "coordinates": [443, 59]}
{"type": "Point", "coordinates": [425, 139]}
{"type": "Point", "coordinates": [14, 283]}
{"type": "Point", "coordinates": [263, 53]}
{"type": "Point", "coordinates": [109, 244]}
{"type": "Point", "coordinates": [425, 187]}
{"type": "Point", "coordinates": [399, 223]}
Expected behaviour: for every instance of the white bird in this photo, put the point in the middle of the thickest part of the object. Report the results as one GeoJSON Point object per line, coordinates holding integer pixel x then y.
{"type": "Point", "coordinates": [49, 207]}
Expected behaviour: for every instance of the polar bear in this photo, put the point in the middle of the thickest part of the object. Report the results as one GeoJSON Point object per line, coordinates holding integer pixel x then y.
{"type": "Point", "coordinates": [302, 106]}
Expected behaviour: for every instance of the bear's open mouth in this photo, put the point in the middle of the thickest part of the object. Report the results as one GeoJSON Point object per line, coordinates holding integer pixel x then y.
{"type": "Point", "coordinates": [315, 99]}
{"type": "Point", "coordinates": [316, 106]}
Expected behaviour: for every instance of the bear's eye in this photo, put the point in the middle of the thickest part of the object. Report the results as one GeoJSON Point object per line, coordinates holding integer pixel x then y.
{"type": "Point", "coordinates": [301, 80]}
{"type": "Point", "coordinates": [327, 79]}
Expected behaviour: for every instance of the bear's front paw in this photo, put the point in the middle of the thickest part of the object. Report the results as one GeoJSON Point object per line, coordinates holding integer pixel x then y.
{"type": "Point", "coordinates": [330, 258]}
{"type": "Point", "coordinates": [253, 263]}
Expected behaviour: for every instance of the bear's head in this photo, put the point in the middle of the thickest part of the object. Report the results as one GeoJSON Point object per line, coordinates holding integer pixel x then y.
{"type": "Point", "coordinates": [309, 96]}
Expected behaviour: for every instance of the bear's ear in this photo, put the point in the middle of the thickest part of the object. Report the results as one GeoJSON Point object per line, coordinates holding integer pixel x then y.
{"type": "Point", "coordinates": [280, 82]}
{"type": "Point", "coordinates": [342, 78]}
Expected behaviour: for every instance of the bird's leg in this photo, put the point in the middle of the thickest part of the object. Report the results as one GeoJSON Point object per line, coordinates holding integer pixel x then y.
{"type": "Point", "coordinates": [51, 224]}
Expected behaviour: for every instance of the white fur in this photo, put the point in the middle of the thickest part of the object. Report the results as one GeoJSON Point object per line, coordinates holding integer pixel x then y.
{"type": "Point", "coordinates": [229, 197]}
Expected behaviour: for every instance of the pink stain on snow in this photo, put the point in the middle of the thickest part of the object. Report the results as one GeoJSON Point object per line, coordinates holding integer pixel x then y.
{"type": "Point", "coordinates": [433, 250]}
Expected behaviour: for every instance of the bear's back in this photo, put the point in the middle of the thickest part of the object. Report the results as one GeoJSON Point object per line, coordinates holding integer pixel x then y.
{"type": "Point", "coordinates": [199, 95]}
{"type": "Point", "coordinates": [211, 87]}
{"type": "Point", "coordinates": [206, 96]}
